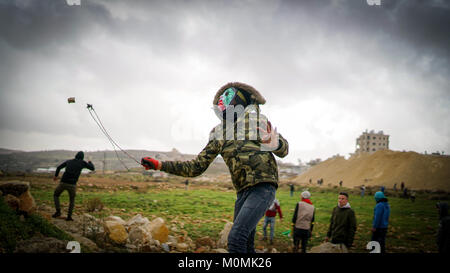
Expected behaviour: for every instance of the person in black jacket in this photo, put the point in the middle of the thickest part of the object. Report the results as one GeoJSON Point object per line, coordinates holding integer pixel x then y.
{"type": "Point", "coordinates": [443, 236]}
{"type": "Point", "coordinates": [69, 181]}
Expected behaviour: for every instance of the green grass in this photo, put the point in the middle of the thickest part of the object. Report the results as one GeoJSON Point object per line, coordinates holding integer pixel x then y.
{"type": "Point", "coordinates": [412, 225]}
{"type": "Point", "coordinates": [12, 229]}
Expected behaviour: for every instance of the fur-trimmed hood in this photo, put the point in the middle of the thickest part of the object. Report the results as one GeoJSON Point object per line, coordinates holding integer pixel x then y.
{"type": "Point", "coordinates": [254, 94]}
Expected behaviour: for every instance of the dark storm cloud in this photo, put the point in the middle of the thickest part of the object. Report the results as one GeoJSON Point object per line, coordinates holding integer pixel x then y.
{"type": "Point", "coordinates": [422, 24]}
{"type": "Point", "coordinates": [32, 25]}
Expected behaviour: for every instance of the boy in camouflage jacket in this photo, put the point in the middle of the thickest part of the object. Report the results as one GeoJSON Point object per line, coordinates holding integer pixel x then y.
{"type": "Point", "coordinates": [246, 141]}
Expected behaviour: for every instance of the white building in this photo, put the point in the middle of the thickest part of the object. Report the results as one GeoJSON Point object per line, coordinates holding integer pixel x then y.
{"type": "Point", "coordinates": [370, 142]}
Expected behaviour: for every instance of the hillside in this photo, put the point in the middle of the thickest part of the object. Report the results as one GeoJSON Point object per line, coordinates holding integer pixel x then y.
{"type": "Point", "coordinates": [8, 151]}
{"type": "Point", "coordinates": [385, 168]}
{"type": "Point", "coordinates": [19, 161]}
{"type": "Point", "coordinates": [30, 161]}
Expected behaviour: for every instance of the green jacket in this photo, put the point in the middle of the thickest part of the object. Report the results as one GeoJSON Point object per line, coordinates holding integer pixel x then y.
{"type": "Point", "coordinates": [248, 163]}
{"type": "Point", "coordinates": [342, 226]}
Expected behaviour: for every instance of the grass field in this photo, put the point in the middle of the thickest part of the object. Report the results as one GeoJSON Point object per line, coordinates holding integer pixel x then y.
{"type": "Point", "coordinates": [203, 211]}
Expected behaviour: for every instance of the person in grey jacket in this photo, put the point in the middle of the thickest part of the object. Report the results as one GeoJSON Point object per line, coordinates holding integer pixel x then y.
{"type": "Point", "coordinates": [302, 221]}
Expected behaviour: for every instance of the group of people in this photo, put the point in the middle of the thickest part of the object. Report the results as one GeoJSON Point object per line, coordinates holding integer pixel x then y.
{"type": "Point", "coordinates": [406, 193]}
{"type": "Point", "coordinates": [320, 182]}
{"type": "Point", "coordinates": [342, 226]}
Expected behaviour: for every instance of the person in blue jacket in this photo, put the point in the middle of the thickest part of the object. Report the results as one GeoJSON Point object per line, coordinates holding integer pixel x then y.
{"type": "Point", "coordinates": [380, 220]}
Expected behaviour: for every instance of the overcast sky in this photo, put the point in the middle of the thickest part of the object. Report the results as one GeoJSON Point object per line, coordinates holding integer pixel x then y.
{"type": "Point", "coordinates": [329, 70]}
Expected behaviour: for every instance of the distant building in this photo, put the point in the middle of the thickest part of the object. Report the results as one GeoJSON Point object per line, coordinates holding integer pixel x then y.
{"type": "Point", "coordinates": [47, 170]}
{"type": "Point", "coordinates": [53, 169]}
{"type": "Point", "coordinates": [370, 142]}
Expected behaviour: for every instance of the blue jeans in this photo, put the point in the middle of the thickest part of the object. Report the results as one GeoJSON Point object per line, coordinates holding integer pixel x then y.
{"type": "Point", "coordinates": [267, 221]}
{"type": "Point", "coordinates": [250, 206]}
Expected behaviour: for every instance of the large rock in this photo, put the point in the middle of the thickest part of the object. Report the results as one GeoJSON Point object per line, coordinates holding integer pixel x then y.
{"type": "Point", "coordinates": [223, 240]}
{"type": "Point", "coordinates": [21, 190]}
{"type": "Point", "coordinates": [139, 235]}
{"type": "Point", "coordinates": [115, 219]}
{"type": "Point", "coordinates": [329, 248]}
{"type": "Point", "coordinates": [27, 203]}
{"type": "Point", "coordinates": [85, 242]}
{"type": "Point", "coordinates": [137, 220]}
{"type": "Point", "coordinates": [158, 229]}
{"type": "Point", "coordinates": [14, 187]}
{"type": "Point", "coordinates": [116, 232]}
{"type": "Point", "coordinates": [92, 227]}
{"type": "Point", "coordinates": [12, 201]}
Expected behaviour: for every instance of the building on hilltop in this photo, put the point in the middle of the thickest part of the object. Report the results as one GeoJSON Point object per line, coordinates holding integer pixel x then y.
{"type": "Point", "coordinates": [370, 142]}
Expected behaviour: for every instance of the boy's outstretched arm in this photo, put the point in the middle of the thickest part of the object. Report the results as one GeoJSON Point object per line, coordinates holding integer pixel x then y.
{"type": "Point", "coordinates": [191, 168]}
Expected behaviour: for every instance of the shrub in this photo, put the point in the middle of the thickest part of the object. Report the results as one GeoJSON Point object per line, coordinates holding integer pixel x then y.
{"type": "Point", "coordinates": [94, 204]}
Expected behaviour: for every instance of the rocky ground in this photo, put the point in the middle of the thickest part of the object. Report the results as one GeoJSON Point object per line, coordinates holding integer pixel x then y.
{"type": "Point", "coordinates": [138, 234]}
{"type": "Point", "coordinates": [112, 233]}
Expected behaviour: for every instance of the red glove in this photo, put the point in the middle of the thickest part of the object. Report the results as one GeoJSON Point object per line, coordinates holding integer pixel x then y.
{"type": "Point", "coordinates": [150, 163]}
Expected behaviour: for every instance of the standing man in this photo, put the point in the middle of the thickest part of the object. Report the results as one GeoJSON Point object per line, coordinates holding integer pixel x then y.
{"type": "Point", "coordinates": [291, 189]}
{"type": "Point", "coordinates": [402, 185]}
{"type": "Point", "coordinates": [69, 182]}
{"type": "Point", "coordinates": [247, 142]}
{"type": "Point", "coordinates": [382, 189]}
{"type": "Point", "coordinates": [395, 187]}
{"type": "Point", "coordinates": [363, 189]}
{"type": "Point", "coordinates": [380, 222]}
{"type": "Point", "coordinates": [303, 221]}
{"type": "Point", "coordinates": [343, 223]}
{"type": "Point", "coordinates": [413, 196]}
{"type": "Point", "coordinates": [186, 184]}
{"type": "Point", "coordinates": [405, 192]}
{"type": "Point", "coordinates": [340, 183]}
{"type": "Point", "coordinates": [271, 214]}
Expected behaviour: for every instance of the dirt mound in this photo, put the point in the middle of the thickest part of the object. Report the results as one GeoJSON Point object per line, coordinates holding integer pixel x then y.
{"type": "Point", "coordinates": [384, 168]}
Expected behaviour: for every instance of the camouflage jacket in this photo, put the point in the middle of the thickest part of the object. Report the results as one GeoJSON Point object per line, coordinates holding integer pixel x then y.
{"type": "Point", "coordinates": [248, 161]}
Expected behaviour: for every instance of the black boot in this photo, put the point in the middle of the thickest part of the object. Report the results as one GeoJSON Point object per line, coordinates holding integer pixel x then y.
{"type": "Point", "coordinates": [69, 218]}
{"type": "Point", "coordinates": [56, 214]}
